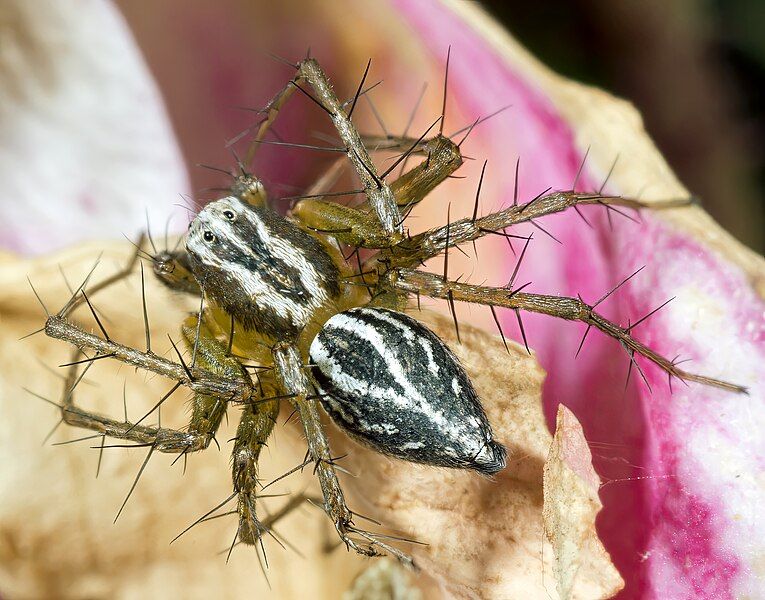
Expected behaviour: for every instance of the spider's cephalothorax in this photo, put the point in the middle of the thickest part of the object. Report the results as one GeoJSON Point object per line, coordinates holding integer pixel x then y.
{"type": "Point", "coordinates": [283, 285]}
{"type": "Point", "coordinates": [268, 273]}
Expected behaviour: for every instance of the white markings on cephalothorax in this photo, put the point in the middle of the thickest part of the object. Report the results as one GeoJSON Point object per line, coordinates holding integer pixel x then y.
{"type": "Point", "coordinates": [263, 292]}
{"type": "Point", "coordinates": [295, 257]}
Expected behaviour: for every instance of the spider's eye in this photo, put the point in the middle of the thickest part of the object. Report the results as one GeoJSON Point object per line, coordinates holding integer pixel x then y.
{"type": "Point", "coordinates": [208, 236]}
{"type": "Point", "coordinates": [229, 214]}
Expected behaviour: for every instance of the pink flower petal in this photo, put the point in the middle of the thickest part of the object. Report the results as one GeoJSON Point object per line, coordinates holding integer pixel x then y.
{"type": "Point", "coordinates": [682, 517]}
{"type": "Point", "coordinates": [85, 147]}
{"type": "Point", "coordinates": [684, 471]}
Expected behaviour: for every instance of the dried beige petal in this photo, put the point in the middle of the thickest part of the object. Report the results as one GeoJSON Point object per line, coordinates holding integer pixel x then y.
{"type": "Point", "coordinates": [384, 579]}
{"type": "Point", "coordinates": [571, 504]}
{"type": "Point", "coordinates": [485, 537]}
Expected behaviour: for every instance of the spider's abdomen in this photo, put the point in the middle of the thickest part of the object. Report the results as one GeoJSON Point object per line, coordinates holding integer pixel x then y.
{"type": "Point", "coordinates": [259, 267]}
{"type": "Point", "coordinates": [394, 385]}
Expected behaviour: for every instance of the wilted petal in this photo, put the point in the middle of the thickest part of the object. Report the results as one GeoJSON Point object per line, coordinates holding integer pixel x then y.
{"type": "Point", "coordinates": [682, 515]}
{"type": "Point", "coordinates": [681, 511]}
{"type": "Point", "coordinates": [571, 504]}
{"type": "Point", "coordinates": [485, 537]}
{"type": "Point", "coordinates": [85, 146]}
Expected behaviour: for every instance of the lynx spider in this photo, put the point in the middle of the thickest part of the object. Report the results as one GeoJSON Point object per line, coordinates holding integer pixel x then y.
{"type": "Point", "coordinates": [387, 278]}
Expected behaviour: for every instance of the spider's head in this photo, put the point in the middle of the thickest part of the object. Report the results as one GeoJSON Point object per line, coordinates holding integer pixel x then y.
{"type": "Point", "coordinates": [213, 233]}
{"type": "Point", "coordinates": [259, 267]}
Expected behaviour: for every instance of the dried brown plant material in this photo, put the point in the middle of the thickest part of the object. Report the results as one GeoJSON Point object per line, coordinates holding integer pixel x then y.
{"type": "Point", "coordinates": [485, 537]}
{"type": "Point", "coordinates": [571, 504]}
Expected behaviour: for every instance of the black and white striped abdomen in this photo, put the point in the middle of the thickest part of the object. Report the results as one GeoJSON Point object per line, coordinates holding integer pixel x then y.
{"type": "Point", "coordinates": [394, 385]}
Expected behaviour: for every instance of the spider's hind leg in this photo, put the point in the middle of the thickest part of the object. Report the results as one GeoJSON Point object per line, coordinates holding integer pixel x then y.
{"type": "Point", "coordinates": [256, 424]}
{"type": "Point", "coordinates": [570, 309]}
{"type": "Point", "coordinates": [293, 382]}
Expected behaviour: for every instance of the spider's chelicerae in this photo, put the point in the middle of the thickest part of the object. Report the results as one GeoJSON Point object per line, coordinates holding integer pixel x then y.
{"type": "Point", "coordinates": [318, 325]}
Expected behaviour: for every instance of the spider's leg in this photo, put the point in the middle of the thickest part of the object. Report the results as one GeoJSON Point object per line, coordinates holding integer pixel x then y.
{"type": "Point", "coordinates": [256, 424]}
{"type": "Point", "coordinates": [377, 191]}
{"type": "Point", "coordinates": [293, 381]}
{"type": "Point", "coordinates": [208, 406]}
{"type": "Point", "coordinates": [271, 112]}
{"type": "Point", "coordinates": [571, 309]}
{"type": "Point", "coordinates": [358, 226]}
{"type": "Point", "coordinates": [160, 438]}
{"type": "Point", "coordinates": [428, 244]}
{"type": "Point", "coordinates": [78, 297]}
{"type": "Point", "coordinates": [198, 380]}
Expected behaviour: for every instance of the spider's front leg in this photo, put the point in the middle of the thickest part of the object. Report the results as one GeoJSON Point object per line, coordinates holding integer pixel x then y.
{"type": "Point", "coordinates": [208, 406]}
{"type": "Point", "coordinates": [378, 193]}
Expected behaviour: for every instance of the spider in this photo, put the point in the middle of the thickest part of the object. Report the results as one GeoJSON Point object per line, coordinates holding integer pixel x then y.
{"type": "Point", "coordinates": [317, 328]}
